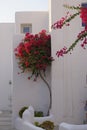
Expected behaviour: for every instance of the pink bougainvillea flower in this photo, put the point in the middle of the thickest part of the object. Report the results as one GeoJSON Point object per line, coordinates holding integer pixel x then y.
{"type": "Point", "coordinates": [83, 15]}
{"type": "Point", "coordinates": [27, 63]}
{"type": "Point", "coordinates": [27, 46]}
{"type": "Point", "coordinates": [61, 52]}
{"type": "Point", "coordinates": [84, 43]}
{"type": "Point", "coordinates": [59, 24]}
{"type": "Point", "coordinates": [82, 36]}
{"type": "Point", "coordinates": [19, 50]}
{"type": "Point", "coordinates": [34, 53]}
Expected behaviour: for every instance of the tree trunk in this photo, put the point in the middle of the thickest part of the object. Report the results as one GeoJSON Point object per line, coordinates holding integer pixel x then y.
{"type": "Point", "coordinates": [49, 88]}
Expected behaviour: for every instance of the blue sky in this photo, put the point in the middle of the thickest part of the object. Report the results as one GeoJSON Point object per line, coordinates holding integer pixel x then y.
{"type": "Point", "coordinates": [9, 7]}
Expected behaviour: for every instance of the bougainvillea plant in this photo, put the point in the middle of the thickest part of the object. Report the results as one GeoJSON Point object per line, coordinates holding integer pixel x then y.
{"type": "Point", "coordinates": [34, 54]}
{"type": "Point", "coordinates": [80, 10]}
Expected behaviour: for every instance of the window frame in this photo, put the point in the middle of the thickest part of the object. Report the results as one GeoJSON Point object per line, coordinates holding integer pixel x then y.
{"type": "Point", "coordinates": [26, 25]}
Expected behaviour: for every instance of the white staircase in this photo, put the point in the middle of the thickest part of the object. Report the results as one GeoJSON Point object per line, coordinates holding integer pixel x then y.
{"type": "Point", "coordinates": [5, 118]}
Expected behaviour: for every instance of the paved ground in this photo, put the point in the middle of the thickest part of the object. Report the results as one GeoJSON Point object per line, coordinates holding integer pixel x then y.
{"type": "Point", "coordinates": [10, 128]}
{"type": "Point", "coordinates": [6, 128]}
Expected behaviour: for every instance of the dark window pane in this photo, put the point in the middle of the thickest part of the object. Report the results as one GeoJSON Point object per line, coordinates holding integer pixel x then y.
{"type": "Point", "coordinates": [25, 29]}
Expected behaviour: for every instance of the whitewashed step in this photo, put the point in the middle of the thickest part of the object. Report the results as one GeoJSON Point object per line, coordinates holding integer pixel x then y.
{"type": "Point", "coordinates": [7, 127]}
{"type": "Point", "coordinates": [5, 121]}
{"type": "Point", "coordinates": [5, 124]}
{"type": "Point", "coordinates": [5, 118]}
{"type": "Point", "coordinates": [5, 113]}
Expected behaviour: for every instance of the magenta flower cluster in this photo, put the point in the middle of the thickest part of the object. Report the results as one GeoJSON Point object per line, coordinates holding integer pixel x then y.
{"type": "Point", "coordinates": [82, 36]}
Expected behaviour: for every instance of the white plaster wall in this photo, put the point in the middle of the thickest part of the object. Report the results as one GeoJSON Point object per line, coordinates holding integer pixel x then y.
{"type": "Point", "coordinates": [38, 19]}
{"type": "Point", "coordinates": [6, 40]}
{"type": "Point", "coordinates": [50, 16]}
{"type": "Point", "coordinates": [69, 87]}
{"type": "Point", "coordinates": [28, 92]}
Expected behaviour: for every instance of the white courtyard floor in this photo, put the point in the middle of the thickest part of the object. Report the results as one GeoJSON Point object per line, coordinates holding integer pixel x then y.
{"type": "Point", "coordinates": [6, 121]}
{"type": "Point", "coordinates": [10, 128]}
{"type": "Point", "coordinates": [6, 128]}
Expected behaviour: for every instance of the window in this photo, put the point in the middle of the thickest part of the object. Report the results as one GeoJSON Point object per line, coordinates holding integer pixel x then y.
{"type": "Point", "coordinates": [26, 28]}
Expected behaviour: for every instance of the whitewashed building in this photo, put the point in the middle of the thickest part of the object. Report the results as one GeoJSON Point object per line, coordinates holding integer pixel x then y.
{"type": "Point", "coordinates": [17, 91]}
{"type": "Point", "coordinates": [33, 21]}
{"type": "Point", "coordinates": [27, 92]}
{"type": "Point", "coordinates": [69, 73]}
{"type": "Point", "coordinates": [67, 77]}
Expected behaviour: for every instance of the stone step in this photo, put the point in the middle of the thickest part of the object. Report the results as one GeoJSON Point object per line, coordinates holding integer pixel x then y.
{"type": "Point", "coordinates": [7, 127]}
{"type": "Point", "coordinates": [5, 114]}
{"type": "Point", "coordinates": [5, 118]}
{"type": "Point", "coordinates": [5, 121]}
